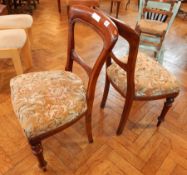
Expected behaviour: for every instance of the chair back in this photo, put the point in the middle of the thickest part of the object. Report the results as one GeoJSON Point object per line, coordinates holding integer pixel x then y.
{"type": "Point", "coordinates": [107, 31]}
{"type": "Point", "coordinates": [133, 39]}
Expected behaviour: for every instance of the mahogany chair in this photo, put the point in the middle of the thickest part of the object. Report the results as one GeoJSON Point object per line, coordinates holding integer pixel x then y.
{"type": "Point", "coordinates": [138, 77]}
{"type": "Point", "coordinates": [48, 102]}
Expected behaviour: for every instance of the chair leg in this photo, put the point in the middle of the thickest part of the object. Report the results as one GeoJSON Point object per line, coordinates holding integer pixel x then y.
{"type": "Point", "coordinates": [160, 56]}
{"type": "Point", "coordinates": [34, 3]}
{"type": "Point", "coordinates": [105, 94]}
{"type": "Point", "coordinates": [128, 2]}
{"type": "Point", "coordinates": [26, 54]}
{"type": "Point", "coordinates": [15, 4]}
{"type": "Point", "coordinates": [38, 152]}
{"type": "Point", "coordinates": [165, 109]}
{"type": "Point", "coordinates": [118, 6]}
{"type": "Point", "coordinates": [137, 29]}
{"type": "Point", "coordinates": [111, 6]}
{"type": "Point", "coordinates": [1, 81]}
{"type": "Point", "coordinates": [59, 5]}
{"type": "Point", "coordinates": [29, 33]}
{"type": "Point", "coordinates": [68, 7]}
{"type": "Point", "coordinates": [88, 121]}
{"type": "Point", "coordinates": [125, 114]}
{"type": "Point", "coordinates": [17, 62]}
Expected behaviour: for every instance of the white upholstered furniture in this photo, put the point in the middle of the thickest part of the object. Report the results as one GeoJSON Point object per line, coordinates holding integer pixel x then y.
{"type": "Point", "coordinates": [19, 21]}
{"type": "Point", "coordinates": [12, 43]}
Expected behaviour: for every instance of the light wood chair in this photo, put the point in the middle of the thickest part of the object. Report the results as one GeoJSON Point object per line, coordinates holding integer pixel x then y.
{"type": "Point", "coordinates": [154, 21]}
{"type": "Point", "coordinates": [54, 100]}
{"type": "Point", "coordinates": [14, 44]}
{"type": "Point", "coordinates": [138, 77]}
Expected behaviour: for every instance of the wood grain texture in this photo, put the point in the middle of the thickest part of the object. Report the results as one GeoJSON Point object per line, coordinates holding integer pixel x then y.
{"type": "Point", "coordinates": [141, 149]}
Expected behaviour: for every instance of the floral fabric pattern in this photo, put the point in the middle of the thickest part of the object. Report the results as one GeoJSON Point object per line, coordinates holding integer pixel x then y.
{"type": "Point", "coordinates": [151, 79]}
{"type": "Point", "coordinates": [152, 26]}
{"type": "Point", "coordinates": [44, 101]}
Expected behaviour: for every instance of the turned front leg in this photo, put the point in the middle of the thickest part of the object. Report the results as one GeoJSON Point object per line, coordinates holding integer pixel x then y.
{"type": "Point", "coordinates": [38, 152]}
{"type": "Point", "coordinates": [165, 109]}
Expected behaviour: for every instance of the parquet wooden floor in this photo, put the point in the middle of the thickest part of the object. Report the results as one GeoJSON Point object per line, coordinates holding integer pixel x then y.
{"type": "Point", "coordinates": [141, 149]}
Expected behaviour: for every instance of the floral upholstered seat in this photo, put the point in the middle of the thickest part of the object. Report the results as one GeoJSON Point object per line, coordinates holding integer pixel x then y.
{"type": "Point", "coordinates": [44, 101]}
{"type": "Point", "coordinates": [151, 79]}
{"type": "Point", "coordinates": [152, 26]}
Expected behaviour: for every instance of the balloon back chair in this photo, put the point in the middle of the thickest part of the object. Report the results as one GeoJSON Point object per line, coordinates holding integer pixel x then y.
{"type": "Point", "coordinates": [48, 102]}
{"type": "Point", "coordinates": [138, 77]}
{"type": "Point", "coordinates": [154, 20]}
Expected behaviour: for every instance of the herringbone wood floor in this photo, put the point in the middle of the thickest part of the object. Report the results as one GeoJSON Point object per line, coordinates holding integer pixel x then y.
{"type": "Point", "coordinates": [141, 149]}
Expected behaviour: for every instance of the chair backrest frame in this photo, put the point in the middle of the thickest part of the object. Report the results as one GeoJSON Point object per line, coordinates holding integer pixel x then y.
{"type": "Point", "coordinates": [133, 39]}
{"type": "Point", "coordinates": [107, 31]}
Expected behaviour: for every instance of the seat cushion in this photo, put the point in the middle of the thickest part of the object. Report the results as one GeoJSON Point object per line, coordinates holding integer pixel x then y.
{"type": "Point", "coordinates": [152, 26]}
{"type": "Point", "coordinates": [12, 38]}
{"type": "Point", "coordinates": [44, 101]}
{"type": "Point", "coordinates": [151, 79]}
{"type": "Point", "coordinates": [20, 21]}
